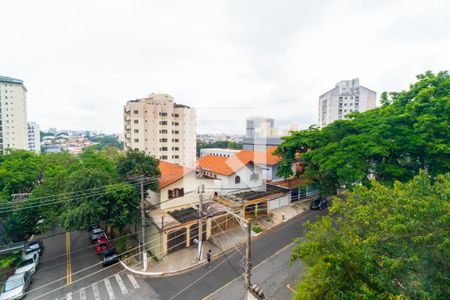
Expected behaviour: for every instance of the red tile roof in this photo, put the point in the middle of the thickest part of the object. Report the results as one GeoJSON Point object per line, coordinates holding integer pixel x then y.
{"type": "Point", "coordinates": [171, 173]}
{"type": "Point", "coordinates": [228, 165]}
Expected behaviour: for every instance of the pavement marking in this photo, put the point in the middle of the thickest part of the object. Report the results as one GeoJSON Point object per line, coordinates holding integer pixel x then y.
{"type": "Point", "coordinates": [68, 258]}
{"type": "Point", "coordinates": [122, 286]}
{"type": "Point", "coordinates": [292, 290]}
{"type": "Point", "coordinates": [82, 294]}
{"type": "Point", "coordinates": [96, 292]}
{"type": "Point", "coordinates": [69, 296]}
{"type": "Point", "coordinates": [237, 278]}
{"type": "Point", "coordinates": [133, 281]}
{"type": "Point", "coordinates": [109, 289]}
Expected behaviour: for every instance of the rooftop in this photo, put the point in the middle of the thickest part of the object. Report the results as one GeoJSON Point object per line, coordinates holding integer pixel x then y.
{"type": "Point", "coordinates": [171, 173]}
{"type": "Point", "coordinates": [6, 79]}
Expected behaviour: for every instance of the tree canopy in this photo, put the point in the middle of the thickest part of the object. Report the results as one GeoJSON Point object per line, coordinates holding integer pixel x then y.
{"type": "Point", "coordinates": [409, 132]}
{"type": "Point", "coordinates": [381, 242]}
{"type": "Point", "coordinates": [71, 191]}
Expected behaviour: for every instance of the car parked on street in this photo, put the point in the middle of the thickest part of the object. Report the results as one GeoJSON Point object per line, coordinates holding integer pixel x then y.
{"type": "Point", "coordinates": [92, 227]}
{"type": "Point", "coordinates": [35, 246]}
{"type": "Point", "coordinates": [26, 265]}
{"type": "Point", "coordinates": [319, 203]}
{"type": "Point", "coordinates": [109, 257]}
{"type": "Point", "coordinates": [16, 286]}
{"type": "Point", "coordinates": [101, 245]}
{"type": "Point", "coordinates": [95, 234]}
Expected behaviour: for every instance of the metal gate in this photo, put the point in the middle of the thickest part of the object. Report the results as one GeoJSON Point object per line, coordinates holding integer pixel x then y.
{"type": "Point", "coordinates": [194, 232]}
{"type": "Point", "coordinates": [176, 240]}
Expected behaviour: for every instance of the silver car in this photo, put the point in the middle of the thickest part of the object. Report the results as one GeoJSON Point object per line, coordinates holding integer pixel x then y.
{"type": "Point", "coordinates": [29, 263]}
{"type": "Point", "coordinates": [16, 286]}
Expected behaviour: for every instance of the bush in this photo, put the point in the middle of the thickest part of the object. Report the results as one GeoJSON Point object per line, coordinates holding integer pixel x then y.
{"type": "Point", "coordinates": [257, 229]}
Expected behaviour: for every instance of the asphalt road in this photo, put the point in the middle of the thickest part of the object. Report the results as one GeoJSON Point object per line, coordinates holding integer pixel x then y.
{"type": "Point", "coordinates": [70, 269]}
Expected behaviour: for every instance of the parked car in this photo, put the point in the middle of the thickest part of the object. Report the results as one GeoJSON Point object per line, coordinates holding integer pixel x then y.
{"type": "Point", "coordinates": [34, 255]}
{"type": "Point", "coordinates": [109, 257]}
{"type": "Point", "coordinates": [92, 227]}
{"type": "Point", "coordinates": [27, 265]}
{"type": "Point", "coordinates": [16, 286]}
{"type": "Point", "coordinates": [95, 234]}
{"type": "Point", "coordinates": [101, 245]}
{"type": "Point", "coordinates": [35, 246]}
{"type": "Point", "coordinates": [319, 203]}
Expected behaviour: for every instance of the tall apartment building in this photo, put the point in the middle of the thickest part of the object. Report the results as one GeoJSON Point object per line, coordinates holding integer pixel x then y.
{"type": "Point", "coordinates": [13, 114]}
{"type": "Point", "coordinates": [162, 128]}
{"type": "Point", "coordinates": [346, 97]}
{"type": "Point", "coordinates": [34, 137]}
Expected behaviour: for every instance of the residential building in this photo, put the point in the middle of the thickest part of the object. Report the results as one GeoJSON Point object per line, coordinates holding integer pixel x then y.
{"type": "Point", "coordinates": [34, 137]}
{"type": "Point", "coordinates": [162, 128]}
{"type": "Point", "coordinates": [218, 152]}
{"type": "Point", "coordinates": [346, 97]}
{"type": "Point", "coordinates": [261, 133]}
{"type": "Point", "coordinates": [13, 114]}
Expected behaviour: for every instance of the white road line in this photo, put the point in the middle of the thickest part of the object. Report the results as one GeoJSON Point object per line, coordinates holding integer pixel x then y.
{"type": "Point", "coordinates": [96, 292]}
{"type": "Point", "coordinates": [133, 281]}
{"type": "Point", "coordinates": [109, 289]}
{"type": "Point", "coordinates": [82, 294]}
{"type": "Point", "coordinates": [122, 286]}
{"type": "Point", "coordinates": [69, 296]}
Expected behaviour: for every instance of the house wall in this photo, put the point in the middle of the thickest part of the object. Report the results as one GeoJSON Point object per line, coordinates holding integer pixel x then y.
{"type": "Point", "coordinates": [279, 202]}
{"type": "Point", "coordinates": [227, 183]}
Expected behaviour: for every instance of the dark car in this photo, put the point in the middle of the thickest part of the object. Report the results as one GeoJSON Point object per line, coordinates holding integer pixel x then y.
{"type": "Point", "coordinates": [319, 203]}
{"type": "Point", "coordinates": [35, 246]}
{"type": "Point", "coordinates": [109, 257]}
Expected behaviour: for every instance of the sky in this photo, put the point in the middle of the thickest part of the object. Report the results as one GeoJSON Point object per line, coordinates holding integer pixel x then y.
{"type": "Point", "coordinates": [231, 59]}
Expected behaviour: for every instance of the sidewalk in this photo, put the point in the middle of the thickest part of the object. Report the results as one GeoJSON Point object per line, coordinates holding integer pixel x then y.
{"type": "Point", "coordinates": [185, 259]}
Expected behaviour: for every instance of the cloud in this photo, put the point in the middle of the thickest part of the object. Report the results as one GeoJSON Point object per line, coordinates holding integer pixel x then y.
{"type": "Point", "coordinates": [81, 61]}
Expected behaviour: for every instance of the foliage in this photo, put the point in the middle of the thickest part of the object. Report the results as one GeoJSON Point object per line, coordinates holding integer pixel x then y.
{"type": "Point", "coordinates": [409, 132]}
{"type": "Point", "coordinates": [381, 243]}
{"type": "Point", "coordinates": [257, 229]}
{"type": "Point", "coordinates": [218, 144]}
{"type": "Point", "coordinates": [70, 191]}
{"type": "Point", "coordinates": [105, 141]}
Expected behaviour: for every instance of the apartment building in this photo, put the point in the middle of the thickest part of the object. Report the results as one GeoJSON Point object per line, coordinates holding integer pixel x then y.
{"type": "Point", "coordinates": [346, 97]}
{"type": "Point", "coordinates": [162, 128]}
{"type": "Point", "coordinates": [34, 137]}
{"type": "Point", "coordinates": [13, 114]}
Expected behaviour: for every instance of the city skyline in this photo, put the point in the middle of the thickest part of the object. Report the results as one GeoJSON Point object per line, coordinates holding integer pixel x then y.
{"type": "Point", "coordinates": [235, 61]}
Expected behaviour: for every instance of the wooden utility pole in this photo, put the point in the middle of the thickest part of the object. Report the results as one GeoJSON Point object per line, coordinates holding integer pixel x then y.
{"type": "Point", "coordinates": [248, 257]}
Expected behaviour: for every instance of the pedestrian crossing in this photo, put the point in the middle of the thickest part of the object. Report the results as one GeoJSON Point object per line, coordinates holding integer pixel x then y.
{"type": "Point", "coordinates": [116, 287]}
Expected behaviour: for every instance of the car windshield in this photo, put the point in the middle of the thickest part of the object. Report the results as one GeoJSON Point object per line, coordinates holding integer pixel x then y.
{"type": "Point", "coordinates": [109, 252]}
{"type": "Point", "coordinates": [25, 263]}
{"type": "Point", "coordinates": [34, 246]}
{"type": "Point", "coordinates": [13, 284]}
{"type": "Point", "coordinates": [317, 201]}
{"type": "Point", "coordinates": [97, 230]}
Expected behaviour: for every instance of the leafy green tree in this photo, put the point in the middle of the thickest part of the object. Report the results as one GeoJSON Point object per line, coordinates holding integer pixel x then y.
{"type": "Point", "coordinates": [218, 144]}
{"type": "Point", "coordinates": [411, 131]}
{"type": "Point", "coordinates": [381, 243]}
{"type": "Point", "coordinates": [135, 164]}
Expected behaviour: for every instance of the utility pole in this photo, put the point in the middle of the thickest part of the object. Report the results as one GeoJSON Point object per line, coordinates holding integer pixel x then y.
{"type": "Point", "coordinates": [144, 252]}
{"type": "Point", "coordinates": [201, 189]}
{"type": "Point", "coordinates": [248, 256]}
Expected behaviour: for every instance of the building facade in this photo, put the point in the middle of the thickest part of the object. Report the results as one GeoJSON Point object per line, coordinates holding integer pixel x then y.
{"type": "Point", "coordinates": [261, 133]}
{"type": "Point", "coordinates": [34, 137]}
{"type": "Point", "coordinates": [162, 128]}
{"type": "Point", "coordinates": [13, 114]}
{"type": "Point", "coordinates": [346, 97]}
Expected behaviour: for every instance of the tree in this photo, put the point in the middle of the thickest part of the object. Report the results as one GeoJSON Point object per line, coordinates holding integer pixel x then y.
{"type": "Point", "coordinates": [137, 163]}
{"type": "Point", "coordinates": [411, 131]}
{"type": "Point", "coordinates": [218, 144]}
{"type": "Point", "coordinates": [381, 242]}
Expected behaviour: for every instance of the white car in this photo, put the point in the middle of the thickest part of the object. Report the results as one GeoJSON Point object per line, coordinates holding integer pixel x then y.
{"type": "Point", "coordinates": [16, 286]}
{"type": "Point", "coordinates": [29, 263]}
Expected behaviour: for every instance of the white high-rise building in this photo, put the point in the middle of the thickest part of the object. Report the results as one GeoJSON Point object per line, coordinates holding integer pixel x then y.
{"type": "Point", "coordinates": [34, 137]}
{"type": "Point", "coordinates": [13, 114]}
{"type": "Point", "coordinates": [346, 97]}
{"type": "Point", "coordinates": [162, 128]}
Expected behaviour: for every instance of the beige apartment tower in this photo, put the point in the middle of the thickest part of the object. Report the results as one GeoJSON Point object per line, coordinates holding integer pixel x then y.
{"type": "Point", "coordinates": [162, 128]}
{"type": "Point", "coordinates": [13, 114]}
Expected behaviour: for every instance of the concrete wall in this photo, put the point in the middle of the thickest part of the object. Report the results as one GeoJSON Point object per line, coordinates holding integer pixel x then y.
{"type": "Point", "coordinates": [279, 202]}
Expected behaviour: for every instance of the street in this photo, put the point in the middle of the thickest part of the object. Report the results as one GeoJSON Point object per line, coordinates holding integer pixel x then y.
{"type": "Point", "coordinates": [70, 269]}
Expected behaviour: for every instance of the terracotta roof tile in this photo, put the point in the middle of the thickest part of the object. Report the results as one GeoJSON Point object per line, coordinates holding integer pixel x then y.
{"type": "Point", "coordinates": [228, 165]}
{"type": "Point", "coordinates": [171, 173]}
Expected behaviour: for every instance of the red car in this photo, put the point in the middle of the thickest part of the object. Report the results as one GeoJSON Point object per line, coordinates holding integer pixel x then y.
{"type": "Point", "coordinates": [101, 245]}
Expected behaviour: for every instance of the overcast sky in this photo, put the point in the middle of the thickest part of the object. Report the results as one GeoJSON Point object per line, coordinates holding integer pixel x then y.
{"type": "Point", "coordinates": [82, 60]}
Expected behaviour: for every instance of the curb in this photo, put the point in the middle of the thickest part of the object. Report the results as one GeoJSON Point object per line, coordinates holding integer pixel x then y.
{"type": "Point", "coordinates": [222, 253]}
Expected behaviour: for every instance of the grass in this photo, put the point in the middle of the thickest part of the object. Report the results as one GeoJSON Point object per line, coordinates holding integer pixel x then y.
{"type": "Point", "coordinates": [257, 229]}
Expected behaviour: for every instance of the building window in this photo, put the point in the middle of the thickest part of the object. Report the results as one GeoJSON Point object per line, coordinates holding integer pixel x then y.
{"type": "Point", "coordinates": [175, 148]}
{"type": "Point", "coordinates": [175, 131]}
{"type": "Point", "coordinates": [162, 122]}
{"type": "Point", "coordinates": [163, 131]}
{"type": "Point", "coordinates": [175, 193]}
{"type": "Point", "coordinates": [163, 140]}
{"type": "Point", "coordinates": [237, 180]}
{"type": "Point", "coordinates": [254, 176]}
{"type": "Point", "coordinates": [163, 149]}
{"type": "Point", "coordinates": [175, 140]}
{"type": "Point", "coordinates": [175, 115]}
{"type": "Point", "coordinates": [163, 157]}
{"type": "Point", "coordinates": [175, 123]}
{"type": "Point", "coordinates": [136, 131]}
{"type": "Point", "coordinates": [163, 114]}
{"type": "Point", "coordinates": [135, 121]}
{"type": "Point", "coordinates": [175, 156]}
{"type": "Point", "coordinates": [135, 111]}
{"type": "Point", "coordinates": [136, 140]}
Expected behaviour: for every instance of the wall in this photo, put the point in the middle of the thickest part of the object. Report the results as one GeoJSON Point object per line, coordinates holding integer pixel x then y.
{"type": "Point", "coordinates": [279, 202]}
